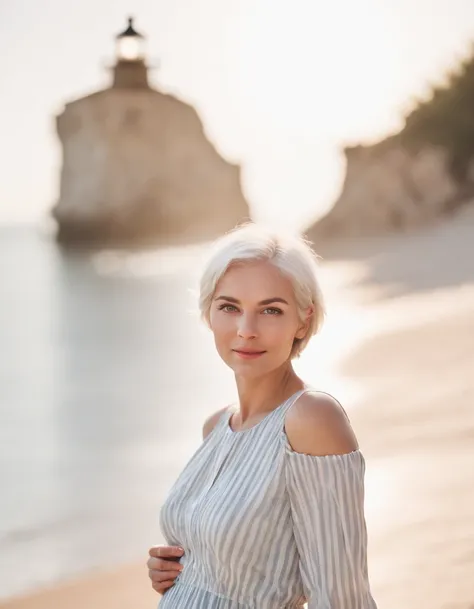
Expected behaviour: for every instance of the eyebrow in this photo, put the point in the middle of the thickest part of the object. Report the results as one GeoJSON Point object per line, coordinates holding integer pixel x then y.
{"type": "Point", "coordinates": [267, 301]}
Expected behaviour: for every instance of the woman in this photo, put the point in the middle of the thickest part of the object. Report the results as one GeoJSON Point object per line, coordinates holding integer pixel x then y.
{"type": "Point", "coordinates": [268, 513]}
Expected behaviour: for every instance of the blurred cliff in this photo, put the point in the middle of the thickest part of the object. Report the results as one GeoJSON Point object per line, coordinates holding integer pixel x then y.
{"type": "Point", "coordinates": [137, 165]}
{"type": "Point", "coordinates": [423, 172]}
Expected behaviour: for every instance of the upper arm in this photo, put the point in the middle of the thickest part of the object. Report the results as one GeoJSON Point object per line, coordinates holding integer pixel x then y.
{"type": "Point", "coordinates": [317, 425]}
{"type": "Point", "coordinates": [211, 422]}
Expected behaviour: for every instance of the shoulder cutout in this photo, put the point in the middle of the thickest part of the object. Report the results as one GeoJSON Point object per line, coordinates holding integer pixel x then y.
{"type": "Point", "coordinates": [317, 425]}
{"type": "Point", "coordinates": [211, 422]}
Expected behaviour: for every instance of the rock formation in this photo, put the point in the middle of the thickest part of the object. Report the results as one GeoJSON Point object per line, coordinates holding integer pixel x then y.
{"type": "Point", "coordinates": [413, 177]}
{"type": "Point", "coordinates": [137, 166]}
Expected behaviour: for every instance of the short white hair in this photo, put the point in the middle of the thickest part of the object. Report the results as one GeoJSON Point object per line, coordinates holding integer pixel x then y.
{"type": "Point", "coordinates": [293, 256]}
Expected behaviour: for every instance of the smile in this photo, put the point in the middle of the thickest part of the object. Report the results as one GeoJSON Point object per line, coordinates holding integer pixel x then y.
{"type": "Point", "coordinates": [249, 354]}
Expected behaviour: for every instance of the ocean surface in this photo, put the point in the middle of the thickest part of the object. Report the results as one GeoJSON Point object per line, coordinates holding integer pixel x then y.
{"type": "Point", "coordinates": [106, 377]}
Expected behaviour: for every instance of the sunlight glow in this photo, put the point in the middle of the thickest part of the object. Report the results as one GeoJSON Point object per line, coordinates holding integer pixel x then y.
{"type": "Point", "coordinates": [304, 69]}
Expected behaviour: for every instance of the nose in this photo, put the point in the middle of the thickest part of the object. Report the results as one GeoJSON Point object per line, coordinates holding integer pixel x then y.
{"type": "Point", "coordinates": [247, 327]}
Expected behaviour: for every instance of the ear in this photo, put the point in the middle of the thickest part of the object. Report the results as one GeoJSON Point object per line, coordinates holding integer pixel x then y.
{"type": "Point", "coordinates": [303, 328]}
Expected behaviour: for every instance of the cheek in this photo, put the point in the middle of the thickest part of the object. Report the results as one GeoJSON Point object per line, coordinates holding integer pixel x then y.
{"type": "Point", "coordinates": [221, 325]}
{"type": "Point", "coordinates": [280, 331]}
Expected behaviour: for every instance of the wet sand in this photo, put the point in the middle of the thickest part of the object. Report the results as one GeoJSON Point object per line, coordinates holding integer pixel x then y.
{"type": "Point", "coordinates": [412, 407]}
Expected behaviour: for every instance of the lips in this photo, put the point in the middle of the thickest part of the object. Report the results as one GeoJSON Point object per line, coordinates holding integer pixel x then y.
{"type": "Point", "coordinates": [247, 354]}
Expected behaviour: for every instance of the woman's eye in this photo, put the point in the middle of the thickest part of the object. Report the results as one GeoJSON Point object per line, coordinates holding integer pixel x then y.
{"type": "Point", "coordinates": [228, 308]}
{"type": "Point", "coordinates": [273, 311]}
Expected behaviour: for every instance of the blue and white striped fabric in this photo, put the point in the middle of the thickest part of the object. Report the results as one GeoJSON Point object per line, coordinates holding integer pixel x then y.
{"type": "Point", "coordinates": [264, 527]}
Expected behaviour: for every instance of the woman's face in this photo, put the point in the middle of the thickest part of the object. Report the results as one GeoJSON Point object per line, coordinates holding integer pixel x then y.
{"type": "Point", "coordinates": [254, 318]}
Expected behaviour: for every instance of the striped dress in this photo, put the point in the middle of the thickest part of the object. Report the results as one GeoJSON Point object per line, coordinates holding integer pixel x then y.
{"type": "Point", "coordinates": [264, 527]}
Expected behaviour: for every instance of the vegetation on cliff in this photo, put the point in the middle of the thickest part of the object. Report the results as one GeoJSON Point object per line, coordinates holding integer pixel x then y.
{"type": "Point", "coordinates": [446, 119]}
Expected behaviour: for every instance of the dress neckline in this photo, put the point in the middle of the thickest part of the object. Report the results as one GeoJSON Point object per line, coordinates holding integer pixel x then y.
{"type": "Point", "coordinates": [236, 432]}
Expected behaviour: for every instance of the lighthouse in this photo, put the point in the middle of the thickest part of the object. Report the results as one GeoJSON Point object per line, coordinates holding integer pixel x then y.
{"type": "Point", "coordinates": [137, 165]}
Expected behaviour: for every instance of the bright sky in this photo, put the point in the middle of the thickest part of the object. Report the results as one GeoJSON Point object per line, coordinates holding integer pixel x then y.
{"type": "Point", "coordinates": [280, 85]}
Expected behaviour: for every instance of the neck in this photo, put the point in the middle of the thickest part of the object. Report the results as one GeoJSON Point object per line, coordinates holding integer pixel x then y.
{"type": "Point", "coordinates": [264, 393]}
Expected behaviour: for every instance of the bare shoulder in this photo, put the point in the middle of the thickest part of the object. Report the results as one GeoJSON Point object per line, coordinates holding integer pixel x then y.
{"type": "Point", "coordinates": [211, 422]}
{"type": "Point", "coordinates": [317, 425]}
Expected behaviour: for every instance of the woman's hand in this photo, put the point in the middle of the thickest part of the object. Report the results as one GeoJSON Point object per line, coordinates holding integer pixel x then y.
{"type": "Point", "coordinates": [163, 567]}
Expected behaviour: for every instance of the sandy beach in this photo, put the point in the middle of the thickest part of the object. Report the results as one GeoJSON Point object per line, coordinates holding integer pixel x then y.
{"type": "Point", "coordinates": [411, 379]}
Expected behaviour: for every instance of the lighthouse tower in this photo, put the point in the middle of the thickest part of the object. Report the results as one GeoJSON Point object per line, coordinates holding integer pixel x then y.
{"type": "Point", "coordinates": [137, 165]}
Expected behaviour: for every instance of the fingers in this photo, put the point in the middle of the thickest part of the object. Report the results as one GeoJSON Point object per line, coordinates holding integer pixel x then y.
{"type": "Point", "coordinates": [162, 587]}
{"type": "Point", "coordinates": [163, 567]}
{"type": "Point", "coordinates": [160, 564]}
{"type": "Point", "coordinates": [162, 576]}
{"type": "Point", "coordinates": [162, 551]}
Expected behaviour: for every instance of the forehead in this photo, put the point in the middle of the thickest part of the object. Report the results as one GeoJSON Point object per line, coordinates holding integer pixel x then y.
{"type": "Point", "coordinates": [254, 281]}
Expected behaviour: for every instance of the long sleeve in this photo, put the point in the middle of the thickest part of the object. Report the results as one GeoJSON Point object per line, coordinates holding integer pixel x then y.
{"type": "Point", "coordinates": [327, 506]}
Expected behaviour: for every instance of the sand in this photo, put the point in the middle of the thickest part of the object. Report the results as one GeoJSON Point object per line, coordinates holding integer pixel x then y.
{"type": "Point", "coordinates": [122, 588]}
{"type": "Point", "coordinates": [414, 416]}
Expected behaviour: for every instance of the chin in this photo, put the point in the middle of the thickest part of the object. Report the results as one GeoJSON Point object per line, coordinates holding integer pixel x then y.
{"type": "Point", "coordinates": [253, 369]}
{"type": "Point", "coordinates": [244, 368]}
{"type": "Point", "coordinates": [248, 372]}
